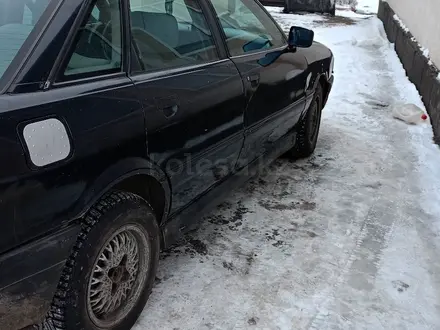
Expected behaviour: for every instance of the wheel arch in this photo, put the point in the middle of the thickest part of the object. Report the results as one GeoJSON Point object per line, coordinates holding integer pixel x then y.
{"type": "Point", "coordinates": [323, 80]}
{"type": "Point", "coordinates": [136, 175]}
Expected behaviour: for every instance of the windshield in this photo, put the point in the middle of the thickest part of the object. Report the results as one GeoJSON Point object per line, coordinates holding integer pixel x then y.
{"type": "Point", "coordinates": [17, 20]}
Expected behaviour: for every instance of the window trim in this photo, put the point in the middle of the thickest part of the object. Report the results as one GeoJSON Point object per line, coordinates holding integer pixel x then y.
{"type": "Point", "coordinates": [9, 77]}
{"type": "Point", "coordinates": [257, 51]}
{"type": "Point", "coordinates": [87, 80]}
{"type": "Point", "coordinates": [52, 78]}
{"type": "Point", "coordinates": [218, 27]}
{"type": "Point", "coordinates": [167, 72]}
{"type": "Point", "coordinates": [221, 52]}
{"type": "Point", "coordinates": [69, 48]}
{"type": "Point", "coordinates": [285, 37]}
{"type": "Point", "coordinates": [127, 41]}
{"type": "Point", "coordinates": [211, 20]}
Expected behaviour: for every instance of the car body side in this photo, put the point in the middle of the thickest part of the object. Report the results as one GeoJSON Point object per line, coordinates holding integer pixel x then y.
{"type": "Point", "coordinates": [40, 207]}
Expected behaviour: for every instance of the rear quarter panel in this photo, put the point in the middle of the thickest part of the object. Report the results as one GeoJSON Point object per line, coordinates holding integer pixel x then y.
{"type": "Point", "coordinates": [105, 123]}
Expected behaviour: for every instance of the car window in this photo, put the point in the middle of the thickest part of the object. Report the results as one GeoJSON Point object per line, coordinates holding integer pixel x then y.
{"type": "Point", "coordinates": [171, 33]}
{"type": "Point", "coordinates": [17, 20]}
{"type": "Point", "coordinates": [98, 44]}
{"type": "Point", "coordinates": [247, 27]}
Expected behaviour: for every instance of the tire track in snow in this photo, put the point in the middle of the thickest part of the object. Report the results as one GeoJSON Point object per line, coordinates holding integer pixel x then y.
{"type": "Point", "coordinates": [358, 270]}
{"type": "Point", "coordinates": [321, 317]}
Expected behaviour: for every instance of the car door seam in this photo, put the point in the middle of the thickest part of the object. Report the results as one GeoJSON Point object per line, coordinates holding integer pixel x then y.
{"type": "Point", "coordinates": [237, 136]}
{"type": "Point", "coordinates": [263, 122]}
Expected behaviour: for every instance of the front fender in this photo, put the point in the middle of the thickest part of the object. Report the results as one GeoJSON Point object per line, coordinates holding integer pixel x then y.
{"type": "Point", "coordinates": [319, 60]}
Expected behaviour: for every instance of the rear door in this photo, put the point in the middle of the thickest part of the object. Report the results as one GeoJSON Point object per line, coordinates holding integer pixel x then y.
{"type": "Point", "coordinates": [191, 92]}
{"type": "Point", "coordinates": [274, 79]}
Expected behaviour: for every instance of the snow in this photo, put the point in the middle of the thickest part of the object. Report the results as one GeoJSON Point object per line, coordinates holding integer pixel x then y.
{"type": "Point", "coordinates": [369, 5]}
{"type": "Point", "coordinates": [365, 6]}
{"type": "Point", "coordinates": [347, 239]}
{"type": "Point", "coordinates": [402, 25]}
{"type": "Point", "coordinates": [425, 51]}
{"type": "Point", "coordinates": [438, 77]}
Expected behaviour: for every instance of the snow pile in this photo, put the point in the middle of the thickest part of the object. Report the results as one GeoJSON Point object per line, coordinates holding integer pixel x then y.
{"type": "Point", "coordinates": [375, 42]}
{"type": "Point", "coordinates": [364, 7]}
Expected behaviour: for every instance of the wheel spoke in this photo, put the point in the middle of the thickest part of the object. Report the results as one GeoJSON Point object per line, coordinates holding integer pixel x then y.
{"type": "Point", "coordinates": [116, 274]}
{"type": "Point", "coordinates": [95, 280]}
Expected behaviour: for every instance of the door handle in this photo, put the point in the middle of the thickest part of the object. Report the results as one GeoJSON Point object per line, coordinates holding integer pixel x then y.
{"type": "Point", "coordinates": [170, 111]}
{"type": "Point", "coordinates": [254, 79]}
{"type": "Point", "coordinates": [168, 105]}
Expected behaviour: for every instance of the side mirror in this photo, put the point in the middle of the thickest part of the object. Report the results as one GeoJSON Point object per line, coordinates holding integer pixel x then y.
{"type": "Point", "coordinates": [300, 37]}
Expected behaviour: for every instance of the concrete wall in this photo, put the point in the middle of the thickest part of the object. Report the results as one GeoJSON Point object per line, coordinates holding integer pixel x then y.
{"type": "Point", "coordinates": [419, 70]}
{"type": "Point", "coordinates": [422, 17]}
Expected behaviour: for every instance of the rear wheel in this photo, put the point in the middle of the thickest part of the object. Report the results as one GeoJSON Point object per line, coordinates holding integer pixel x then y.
{"type": "Point", "coordinates": [109, 276]}
{"type": "Point", "coordinates": [308, 130]}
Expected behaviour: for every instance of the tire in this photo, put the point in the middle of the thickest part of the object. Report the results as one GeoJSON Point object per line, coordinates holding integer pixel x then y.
{"type": "Point", "coordinates": [115, 256]}
{"type": "Point", "coordinates": [308, 129]}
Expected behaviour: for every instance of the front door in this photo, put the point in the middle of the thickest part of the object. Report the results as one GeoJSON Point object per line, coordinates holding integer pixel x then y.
{"type": "Point", "coordinates": [193, 96]}
{"type": "Point", "coordinates": [274, 78]}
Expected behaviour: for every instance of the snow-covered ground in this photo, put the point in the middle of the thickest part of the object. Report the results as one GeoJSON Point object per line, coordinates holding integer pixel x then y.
{"type": "Point", "coordinates": [348, 239]}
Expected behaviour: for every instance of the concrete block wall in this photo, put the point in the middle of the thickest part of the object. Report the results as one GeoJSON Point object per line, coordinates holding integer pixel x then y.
{"type": "Point", "coordinates": [423, 73]}
{"type": "Point", "coordinates": [422, 19]}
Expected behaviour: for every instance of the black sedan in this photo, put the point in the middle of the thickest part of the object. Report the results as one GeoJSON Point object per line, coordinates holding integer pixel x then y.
{"type": "Point", "coordinates": [121, 122]}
